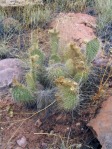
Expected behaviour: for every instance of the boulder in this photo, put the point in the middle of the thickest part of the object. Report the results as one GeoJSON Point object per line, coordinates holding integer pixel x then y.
{"type": "Point", "coordinates": [6, 76]}
{"type": "Point", "coordinates": [102, 124]}
{"type": "Point", "coordinates": [74, 27]}
{"type": "Point", "coordinates": [10, 68]}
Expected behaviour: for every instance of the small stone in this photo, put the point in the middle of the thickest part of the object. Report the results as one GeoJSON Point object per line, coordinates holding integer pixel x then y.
{"type": "Point", "coordinates": [78, 124]}
{"type": "Point", "coordinates": [78, 146]}
{"type": "Point", "coordinates": [68, 128]}
{"type": "Point", "coordinates": [44, 145]}
{"type": "Point", "coordinates": [52, 132]}
{"type": "Point", "coordinates": [38, 123]}
{"type": "Point", "coordinates": [22, 142]}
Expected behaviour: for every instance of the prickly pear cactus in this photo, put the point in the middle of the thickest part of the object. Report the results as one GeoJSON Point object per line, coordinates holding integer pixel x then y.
{"type": "Point", "coordinates": [54, 71]}
{"type": "Point", "coordinates": [54, 41]}
{"type": "Point", "coordinates": [34, 50]}
{"type": "Point", "coordinates": [21, 93]}
{"type": "Point", "coordinates": [67, 94]}
{"type": "Point", "coordinates": [54, 59]}
{"type": "Point", "coordinates": [31, 85]}
{"type": "Point", "coordinates": [25, 93]}
{"type": "Point", "coordinates": [92, 48]}
{"type": "Point", "coordinates": [61, 77]}
{"type": "Point", "coordinates": [70, 66]}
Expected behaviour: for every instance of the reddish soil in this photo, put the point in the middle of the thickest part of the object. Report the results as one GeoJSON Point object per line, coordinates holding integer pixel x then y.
{"type": "Point", "coordinates": [60, 125]}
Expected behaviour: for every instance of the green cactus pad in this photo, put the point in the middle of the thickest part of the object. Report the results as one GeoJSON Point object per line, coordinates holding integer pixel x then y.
{"type": "Point", "coordinates": [67, 100]}
{"type": "Point", "coordinates": [56, 70]}
{"type": "Point", "coordinates": [22, 94]}
{"type": "Point", "coordinates": [92, 48]}
{"type": "Point", "coordinates": [70, 66]}
{"type": "Point", "coordinates": [81, 76]}
{"type": "Point", "coordinates": [34, 50]}
{"type": "Point", "coordinates": [55, 58]}
{"type": "Point", "coordinates": [30, 80]}
{"type": "Point", "coordinates": [67, 94]}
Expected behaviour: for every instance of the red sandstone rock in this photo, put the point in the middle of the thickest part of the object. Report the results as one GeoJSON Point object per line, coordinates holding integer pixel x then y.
{"type": "Point", "coordinates": [102, 124]}
{"type": "Point", "coordinates": [74, 27]}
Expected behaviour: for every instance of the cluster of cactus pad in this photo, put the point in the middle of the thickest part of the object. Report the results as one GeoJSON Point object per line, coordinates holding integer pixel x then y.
{"type": "Point", "coordinates": [64, 74]}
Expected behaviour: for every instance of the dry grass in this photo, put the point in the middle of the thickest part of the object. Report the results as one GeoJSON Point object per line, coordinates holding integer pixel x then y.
{"type": "Point", "coordinates": [104, 10]}
{"type": "Point", "coordinates": [71, 5]}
